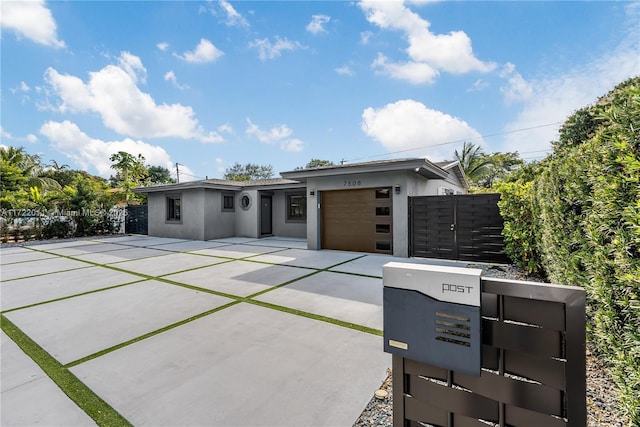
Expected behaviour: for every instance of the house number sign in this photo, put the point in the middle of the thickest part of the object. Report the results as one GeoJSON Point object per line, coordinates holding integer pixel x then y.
{"type": "Point", "coordinates": [353, 183]}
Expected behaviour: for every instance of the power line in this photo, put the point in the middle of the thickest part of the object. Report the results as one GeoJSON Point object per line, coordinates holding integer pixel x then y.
{"type": "Point", "coordinates": [456, 141]}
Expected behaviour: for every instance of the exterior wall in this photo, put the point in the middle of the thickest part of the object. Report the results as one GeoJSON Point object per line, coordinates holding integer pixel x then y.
{"type": "Point", "coordinates": [192, 211]}
{"type": "Point", "coordinates": [282, 227]}
{"type": "Point", "coordinates": [247, 220]}
{"type": "Point", "coordinates": [217, 222]}
{"type": "Point", "coordinates": [434, 187]}
{"type": "Point", "coordinates": [359, 181]}
{"type": "Point", "coordinates": [411, 184]}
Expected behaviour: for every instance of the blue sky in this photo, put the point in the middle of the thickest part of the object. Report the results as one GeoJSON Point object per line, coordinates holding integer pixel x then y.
{"type": "Point", "coordinates": [207, 84]}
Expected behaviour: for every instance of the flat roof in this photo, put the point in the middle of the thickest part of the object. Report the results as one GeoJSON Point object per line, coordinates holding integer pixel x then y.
{"type": "Point", "coordinates": [420, 166]}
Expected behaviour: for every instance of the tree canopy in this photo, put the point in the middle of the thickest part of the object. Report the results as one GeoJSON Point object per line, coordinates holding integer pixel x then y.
{"type": "Point", "coordinates": [248, 172]}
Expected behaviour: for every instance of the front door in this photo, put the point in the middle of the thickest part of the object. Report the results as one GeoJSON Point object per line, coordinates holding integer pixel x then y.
{"type": "Point", "coordinates": [265, 216]}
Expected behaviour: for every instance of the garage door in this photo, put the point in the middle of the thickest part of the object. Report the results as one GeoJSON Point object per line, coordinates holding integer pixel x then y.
{"type": "Point", "coordinates": [357, 220]}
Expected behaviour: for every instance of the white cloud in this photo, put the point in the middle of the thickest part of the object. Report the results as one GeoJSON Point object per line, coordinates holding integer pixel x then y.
{"type": "Point", "coordinates": [91, 153]}
{"type": "Point", "coordinates": [132, 65]}
{"type": "Point", "coordinates": [478, 86]}
{"type": "Point", "coordinates": [233, 17]}
{"type": "Point", "coordinates": [7, 136]}
{"type": "Point", "coordinates": [428, 53]}
{"type": "Point", "coordinates": [517, 88]}
{"type": "Point", "coordinates": [204, 52]}
{"type": "Point", "coordinates": [113, 94]}
{"type": "Point", "coordinates": [316, 26]}
{"type": "Point", "coordinates": [268, 50]}
{"type": "Point", "coordinates": [171, 77]}
{"type": "Point", "coordinates": [407, 124]}
{"type": "Point", "coordinates": [365, 36]}
{"type": "Point", "coordinates": [414, 72]}
{"type": "Point", "coordinates": [226, 128]}
{"type": "Point", "coordinates": [163, 46]}
{"type": "Point", "coordinates": [345, 71]}
{"type": "Point", "coordinates": [280, 133]}
{"type": "Point", "coordinates": [292, 145]}
{"type": "Point", "coordinates": [32, 20]}
{"type": "Point", "coordinates": [554, 98]}
{"type": "Point", "coordinates": [274, 134]}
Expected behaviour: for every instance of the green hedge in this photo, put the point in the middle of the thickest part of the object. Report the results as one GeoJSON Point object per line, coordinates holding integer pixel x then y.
{"type": "Point", "coordinates": [575, 217]}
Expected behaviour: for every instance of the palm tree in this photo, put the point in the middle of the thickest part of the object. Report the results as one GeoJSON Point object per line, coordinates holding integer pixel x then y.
{"type": "Point", "coordinates": [474, 161]}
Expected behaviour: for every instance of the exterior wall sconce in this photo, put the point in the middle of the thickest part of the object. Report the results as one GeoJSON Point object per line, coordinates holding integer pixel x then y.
{"type": "Point", "coordinates": [312, 192]}
{"type": "Point", "coordinates": [397, 187]}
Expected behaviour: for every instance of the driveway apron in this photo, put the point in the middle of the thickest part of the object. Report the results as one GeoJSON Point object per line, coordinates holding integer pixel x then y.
{"type": "Point", "coordinates": [157, 331]}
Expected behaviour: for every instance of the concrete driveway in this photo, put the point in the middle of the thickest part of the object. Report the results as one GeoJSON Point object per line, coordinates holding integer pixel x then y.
{"type": "Point", "coordinates": [156, 331]}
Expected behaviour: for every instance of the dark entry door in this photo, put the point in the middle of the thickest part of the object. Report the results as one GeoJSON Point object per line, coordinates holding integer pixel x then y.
{"type": "Point", "coordinates": [433, 227]}
{"type": "Point", "coordinates": [265, 215]}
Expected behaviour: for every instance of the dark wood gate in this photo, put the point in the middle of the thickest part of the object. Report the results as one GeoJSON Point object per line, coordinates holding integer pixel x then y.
{"type": "Point", "coordinates": [533, 360]}
{"type": "Point", "coordinates": [464, 227]}
{"type": "Point", "coordinates": [137, 220]}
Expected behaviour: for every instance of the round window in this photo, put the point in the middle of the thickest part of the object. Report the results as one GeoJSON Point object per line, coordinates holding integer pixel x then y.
{"type": "Point", "coordinates": [245, 201]}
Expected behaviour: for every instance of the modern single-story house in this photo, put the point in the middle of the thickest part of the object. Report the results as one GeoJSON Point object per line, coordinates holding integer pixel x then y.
{"type": "Point", "coordinates": [354, 207]}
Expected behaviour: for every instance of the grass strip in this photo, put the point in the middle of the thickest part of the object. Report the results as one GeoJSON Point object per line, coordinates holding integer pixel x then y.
{"type": "Point", "coordinates": [149, 335]}
{"type": "Point", "coordinates": [44, 274]}
{"type": "Point", "coordinates": [313, 316]}
{"type": "Point", "coordinates": [72, 296]}
{"type": "Point", "coordinates": [99, 410]}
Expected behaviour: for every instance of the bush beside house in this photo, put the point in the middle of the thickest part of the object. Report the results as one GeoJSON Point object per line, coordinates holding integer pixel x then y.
{"type": "Point", "coordinates": [575, 218]}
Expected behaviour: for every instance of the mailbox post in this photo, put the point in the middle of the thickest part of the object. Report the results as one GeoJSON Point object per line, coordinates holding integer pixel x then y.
{"type": "Point", "coordinates": [432, 314]}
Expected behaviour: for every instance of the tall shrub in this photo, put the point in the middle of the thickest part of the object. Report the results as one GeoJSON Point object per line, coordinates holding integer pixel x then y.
{"type": "Point", "coordinates": [583, 207]}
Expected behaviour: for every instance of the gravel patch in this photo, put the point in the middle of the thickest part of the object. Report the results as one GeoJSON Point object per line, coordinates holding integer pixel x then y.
{"type": "Point", "coordinates": [601, 392]}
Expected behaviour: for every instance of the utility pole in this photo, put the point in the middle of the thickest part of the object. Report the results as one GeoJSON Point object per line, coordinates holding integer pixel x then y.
{"type": "Point", "coordinates": [178, 172]}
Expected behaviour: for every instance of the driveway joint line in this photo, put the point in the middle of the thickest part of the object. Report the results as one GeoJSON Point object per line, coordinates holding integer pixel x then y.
{"type": "Point", "coordinates": [149, 335]}
{"type": "Point", "coordinates": [93, 291]}
{"type": "Point", "coordinates": [314, 316]}
{"type": "Point", "coordinates": [44, 274]}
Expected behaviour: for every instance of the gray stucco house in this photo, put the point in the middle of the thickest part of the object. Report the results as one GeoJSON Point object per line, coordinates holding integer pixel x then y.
{"type": "Point", "coordinates": [354, 207]}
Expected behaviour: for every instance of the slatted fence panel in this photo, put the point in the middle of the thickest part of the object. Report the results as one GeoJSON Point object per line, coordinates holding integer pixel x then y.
{"type": "Point", "coordinates": [464, 227]}
{"type": "Point", "coordinates": [533, 365]}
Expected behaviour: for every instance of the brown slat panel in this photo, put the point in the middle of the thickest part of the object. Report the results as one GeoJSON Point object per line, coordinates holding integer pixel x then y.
{"type": "Point", "coordinates": [530, 290]}
{"type": "Point", "coordinates": [413, 367]}
{"type": "Point", "coordinates": [459, 401]}
{"type": "Point", "coordinates": [535, 397]}
{"type": "Point", "coordinates": [462, 421]}
{"type": "Point", "coordinates": [543, 313]}
{"type": "Point", "coordinates": [547, 371]}
{"type": "Point", "coordinates": [521, 417]}
{"type": "Point", "coordinates": [490, 357]}
{"type": "Point", "coordinates": [424, 412]}
{"type": "Point", "coordinates": [526, 339]}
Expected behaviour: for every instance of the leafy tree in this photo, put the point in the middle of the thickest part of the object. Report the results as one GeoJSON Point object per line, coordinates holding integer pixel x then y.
{"type": "Point", "coordinates": [159, 175]}
{"type": "Point", "coordinates": [131, 171]}
{"type": "Point", "coordinates": [23, 171]}
{"type": "Point", "coordinates": [248, 172]}
{"type": "Point", "coordinates": [317, 163]}
{"type": "Point", "coordinates": [474, 161]}
{"type": "Point", "coordinates": [500, 165]}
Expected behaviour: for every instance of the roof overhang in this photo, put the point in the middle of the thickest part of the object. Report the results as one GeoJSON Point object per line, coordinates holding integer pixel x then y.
{"type": "Point", "coordinates": [223, 185]}
{"type": "Point", "coordinates": [422, 167]}
{"type": "Point", "coordinates": [456, 168]}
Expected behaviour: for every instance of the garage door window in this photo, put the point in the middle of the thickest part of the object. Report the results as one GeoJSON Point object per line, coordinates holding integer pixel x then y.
{"type": "Point", "coordinates": [383, 211]}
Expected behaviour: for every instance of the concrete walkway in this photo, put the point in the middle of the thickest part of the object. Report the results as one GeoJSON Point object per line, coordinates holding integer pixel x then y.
{"type": "Point", "coordinates": [232, 332]}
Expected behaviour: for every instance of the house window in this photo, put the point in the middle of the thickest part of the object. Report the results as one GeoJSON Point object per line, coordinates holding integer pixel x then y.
{"type": "Point", "coordinates": [173, 208]}
{"type": "Point", "coordinates": [228, 202]}
{"type": "Point", "coordinates": [296, 207]}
